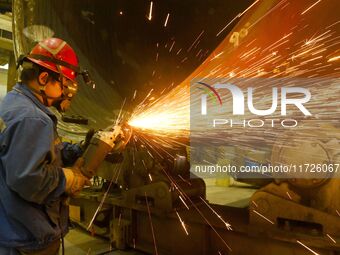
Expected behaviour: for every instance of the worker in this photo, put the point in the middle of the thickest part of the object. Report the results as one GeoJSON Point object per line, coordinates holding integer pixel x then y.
{"type": "Point", "coordinates": [34, 180]}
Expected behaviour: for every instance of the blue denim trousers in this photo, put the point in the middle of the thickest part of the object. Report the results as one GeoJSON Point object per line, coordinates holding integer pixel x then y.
{"type": "Point", "coordinates": [52, 249]}
{"type": "Point", "coordinates": [8, 251]}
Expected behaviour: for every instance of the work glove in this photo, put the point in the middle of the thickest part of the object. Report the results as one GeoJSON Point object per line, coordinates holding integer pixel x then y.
{"type": "Point", "coordinates": [75, 180]}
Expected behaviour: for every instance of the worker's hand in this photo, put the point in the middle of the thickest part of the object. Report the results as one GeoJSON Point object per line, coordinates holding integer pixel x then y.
{"type": "Point", "coordinates": [75, 180]}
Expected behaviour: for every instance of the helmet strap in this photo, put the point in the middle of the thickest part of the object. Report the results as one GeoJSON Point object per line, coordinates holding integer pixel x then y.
{"type": "Point", "coordinates": [41, 91]}
{"type": "Point", "coordinates": [44, 96]}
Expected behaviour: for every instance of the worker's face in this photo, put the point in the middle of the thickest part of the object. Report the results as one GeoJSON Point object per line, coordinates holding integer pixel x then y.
{"type": "Point", "coordinates": [58, 92]}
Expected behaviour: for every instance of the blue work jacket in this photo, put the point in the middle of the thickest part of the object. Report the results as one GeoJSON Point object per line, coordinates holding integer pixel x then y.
{"type": "Point", "coordinates": [32, 209]}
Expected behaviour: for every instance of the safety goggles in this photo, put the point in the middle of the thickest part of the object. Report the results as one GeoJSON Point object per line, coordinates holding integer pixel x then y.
{"type": "Point", "coordinates": [69, 87]}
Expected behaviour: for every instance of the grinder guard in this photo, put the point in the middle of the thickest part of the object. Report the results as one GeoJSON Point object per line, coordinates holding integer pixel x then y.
{"type": "Point", "coordinates": [101, 144]}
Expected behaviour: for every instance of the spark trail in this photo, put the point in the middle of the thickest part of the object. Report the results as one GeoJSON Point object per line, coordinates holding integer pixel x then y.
{"type": "Point", "coordinates": [301, 50]}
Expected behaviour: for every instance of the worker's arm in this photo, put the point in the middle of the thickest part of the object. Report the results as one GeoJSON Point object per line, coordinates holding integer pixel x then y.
{"type": "Point", "coordinates": [27, 161]}
{"type": "Point", "coordinates": [70, 153]}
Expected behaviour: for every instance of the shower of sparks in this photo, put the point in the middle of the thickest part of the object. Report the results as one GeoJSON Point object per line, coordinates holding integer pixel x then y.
{"type": "Point", "coordinates": [197, 38]}
{"type": "Point", "coordinates": [182, 223]}
{"type": "Point", "coordinates": [228, 226]}
{"type": "Point", "coordinates": [166, 20]}
{"type": "Point", "coordinates": [332, 239]}
{"type": "Point", "coordinates": [236, 17]}
{"type": "Point", "coordinates": [254, 203]}
{"type": "Point", "coordinates": [172, 45]}
{"type": "Point", "coordinates": [299, 52]}
{"type": "Point", "coordinates": [305, 246]}
{"type": "Point", "coordinates": [119, 219]}
{"type": "Point", "coordinates": [151, 225]}
{"type": "Point", "coordinates": [164, 118]}
{"type": "Point", "coordinates": [310, 7]}
{"type": "Point", "coordinates": [184, 59]}
{"type": "Point", "coordinates": [311, 54]}
{"type": "Point", "coordinates": [185, 204]}
{"type": "Point", "coordinates": [249, 7]}
{"type": "Point", "coordinates": [334, 59]}
{"type": "Point", "coordinates": [105, 195]}
{"type": "Point", "coordinates": [263, 217]}
{"type": "Point", "coordinates": [216, 56]}
{"type": "Point", "coordinates": [150, 11]}
{"type": "Point", "coordinates": [337, 212]}
{"type": "Point", "coordinates": [196, 208]}
{"type": "Point", "coordinates": [120, 114]}
{"type": "Point", "coordinates": [289, 195]}
{"type": "Point", "coordinates": [189, 183]}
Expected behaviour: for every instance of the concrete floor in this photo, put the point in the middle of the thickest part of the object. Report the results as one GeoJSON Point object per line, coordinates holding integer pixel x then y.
{"type": "Point", "coordinates": [80, 242]}
{"type": "Point", "coordinates": [231, 193]}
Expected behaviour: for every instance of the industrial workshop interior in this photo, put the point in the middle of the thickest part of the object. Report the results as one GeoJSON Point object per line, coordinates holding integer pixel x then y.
{"type": "Point", "coordinates": [169, 127]}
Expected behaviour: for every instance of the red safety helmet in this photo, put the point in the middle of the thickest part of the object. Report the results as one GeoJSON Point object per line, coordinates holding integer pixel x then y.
{"type": "Point", "coordinates": [56, 55]}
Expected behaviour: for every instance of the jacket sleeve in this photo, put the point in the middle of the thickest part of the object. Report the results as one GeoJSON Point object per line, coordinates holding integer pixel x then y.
{"type": "Point", "coordinates": [70, 153]}
{"type": "Point", "coordinates": [28, 161]}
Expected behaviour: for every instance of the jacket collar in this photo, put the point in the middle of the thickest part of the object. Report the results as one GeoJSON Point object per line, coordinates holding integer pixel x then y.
{"type": "Point", "coordinates": [24, 90]}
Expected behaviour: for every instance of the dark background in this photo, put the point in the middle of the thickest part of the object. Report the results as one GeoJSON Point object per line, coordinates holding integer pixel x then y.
{"type": "Point", "coordinates": [123, 47]}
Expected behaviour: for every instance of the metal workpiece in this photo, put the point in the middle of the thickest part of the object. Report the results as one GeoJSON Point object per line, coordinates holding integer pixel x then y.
{"type": "Point", "coordinates": [286, 214]}
{"type": "Point", "coordinates": [282, 218]}
{"type": "Point", "coordinates": [162, 197]}
{"type": "Point", "coordinates": [130, 228]}
{"type": "Point", "coordinates": [211, 236]}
